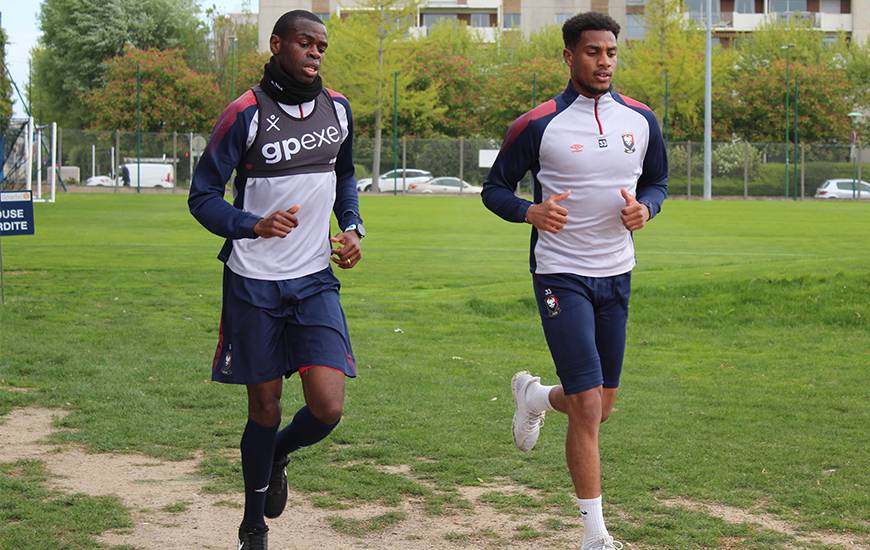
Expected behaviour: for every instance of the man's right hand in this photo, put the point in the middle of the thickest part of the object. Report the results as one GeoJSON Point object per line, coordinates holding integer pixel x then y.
{"type": "Point", "coordinates": [278, 224]}
{"type": "Point", "coordinates": [549, 216]}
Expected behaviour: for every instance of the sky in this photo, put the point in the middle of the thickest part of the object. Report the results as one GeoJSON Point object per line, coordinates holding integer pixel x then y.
{"type": "Point", "coordinates": [20, 19]}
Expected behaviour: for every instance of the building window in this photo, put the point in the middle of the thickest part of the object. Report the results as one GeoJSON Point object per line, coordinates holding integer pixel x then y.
{"type": "Point", "coordinates": [562, 17]}
{"type": "Point", "coordinates": [785, 6]}
{"type": "Point", "coordinates": [479, 19]}
{"type": "Point", "coordinates": [635, 2]}
{"type": "Point", "coordinates": [634, 29]}
{"type": "Point", "coordinates": [697, 11]}
{"type": "Point", "coordinates": [430, 19]}
{"type": "Point", "coordinates": [744, 6]}
{"type": "Point", "coordinates": [830, 6]}
{"type": "Point", "coordinates": [511, 21]}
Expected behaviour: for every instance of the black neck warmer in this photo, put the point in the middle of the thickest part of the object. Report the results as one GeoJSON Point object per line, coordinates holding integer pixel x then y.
{"type": "Point", "coordinates": [283, 88]}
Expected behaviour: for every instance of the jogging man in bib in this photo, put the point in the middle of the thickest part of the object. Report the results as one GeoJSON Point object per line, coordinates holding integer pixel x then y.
{"type": "Point", "coordinates": [289, 140]}
{"type": "Point", "coordinates": [599, 173]}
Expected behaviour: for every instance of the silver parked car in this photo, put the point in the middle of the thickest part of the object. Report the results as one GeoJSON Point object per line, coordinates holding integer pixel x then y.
{"type": "Point", "coordinates": [445, 184]}
{"type": "Point", "coordinates": [402, 178]}
{"type": "Point", "coordinates": [843, 188]}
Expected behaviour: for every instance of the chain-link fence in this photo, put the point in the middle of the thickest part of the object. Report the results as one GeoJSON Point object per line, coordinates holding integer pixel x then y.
{"type": "Point", "coordinates": [104, 153]}
{"type": "Point", "coordinates": [743, 169]}
{"type": "Point", "coordinates": [739, 169]}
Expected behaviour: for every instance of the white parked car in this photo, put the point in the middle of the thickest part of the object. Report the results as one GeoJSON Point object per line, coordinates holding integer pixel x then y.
{"type": "Point", "coordinates": [153, 175]}
{"type": "Point", "coordinates": [402, 178]}
{"type": "Point", "coordinates": [843, 188]}
{"type": "Point", "coordinates": [100, 181]}
{"type": "Point", "coordinates": [445, 184]}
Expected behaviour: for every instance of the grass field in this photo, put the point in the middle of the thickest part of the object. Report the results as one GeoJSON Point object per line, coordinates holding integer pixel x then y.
{"type": "Point", "coordinates": [745, 383]}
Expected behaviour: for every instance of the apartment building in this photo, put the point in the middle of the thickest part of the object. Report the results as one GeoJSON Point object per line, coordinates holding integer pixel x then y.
{"type": "Point", "coordinates": [731, 18]}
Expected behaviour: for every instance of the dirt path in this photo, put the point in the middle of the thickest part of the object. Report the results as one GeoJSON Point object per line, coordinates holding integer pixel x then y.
{"type": "Point", "coordinates": [768, 521]}
{"type": "Point", "coordinates": [147, 486]}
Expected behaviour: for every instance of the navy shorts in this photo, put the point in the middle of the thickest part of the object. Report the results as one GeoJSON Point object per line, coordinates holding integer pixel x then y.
{"type": "Point", "coordinates": [271, 329]}
{"type": "Point", "coordinates": [584, 321]}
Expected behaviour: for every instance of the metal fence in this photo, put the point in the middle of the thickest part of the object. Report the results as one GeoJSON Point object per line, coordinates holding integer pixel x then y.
{"type": "Point", "coordinates": [738, 169]}
{"type": "Point", "coordinates": [102, 153]}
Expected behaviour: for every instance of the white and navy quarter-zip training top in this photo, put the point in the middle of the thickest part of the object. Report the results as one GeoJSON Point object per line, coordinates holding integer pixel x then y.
{"type": "Point", "coordinates": [592, 147]}
{"type": "Point", "coordinates": [283, 155]}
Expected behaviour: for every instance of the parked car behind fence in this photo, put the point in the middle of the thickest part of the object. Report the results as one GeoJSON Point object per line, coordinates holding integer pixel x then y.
{"type": "Point", "coordinates": [843, 188]}
{"type": "Point", "coordinates": [398, 180]}
{"type": "Point", "coordinates": [445, 184]}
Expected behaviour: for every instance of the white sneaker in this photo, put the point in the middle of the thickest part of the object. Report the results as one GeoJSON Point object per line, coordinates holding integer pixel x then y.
{"type": "Point", "coordinates": [605, 542]}
{"type": "Point", "coordinates": [526, 423]}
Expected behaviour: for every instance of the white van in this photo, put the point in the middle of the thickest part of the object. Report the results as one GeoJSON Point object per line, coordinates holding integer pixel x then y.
{"type": "Point", "coordinates": [153, 175]}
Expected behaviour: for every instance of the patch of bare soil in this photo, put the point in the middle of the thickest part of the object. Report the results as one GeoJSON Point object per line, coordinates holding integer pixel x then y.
{"type": "Point", "coordinates": [170, 509]}
{"type": "Point", "coordinates": [13, 389]}
{"type": "Point", "coordinates": [768, 521]}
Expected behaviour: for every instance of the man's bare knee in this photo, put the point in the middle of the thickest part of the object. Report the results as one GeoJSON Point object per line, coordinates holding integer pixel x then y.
{"type": "Point", "coordinates": [585, 407]}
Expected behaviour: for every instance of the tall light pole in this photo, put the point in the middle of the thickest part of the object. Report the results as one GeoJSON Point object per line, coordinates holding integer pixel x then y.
{"type": "Point", "coordinates": [396, 133]}
{"type": "Point", "coordinates": [787, 48]}
{"type": "Point", "coordinates": [856, 185]}
{"type": "Point", "coordinates": [234, 63]}
{"type": "Point", "coordinates": [708, 106]}
{"type": "Point", "coordinates": [138, 126]}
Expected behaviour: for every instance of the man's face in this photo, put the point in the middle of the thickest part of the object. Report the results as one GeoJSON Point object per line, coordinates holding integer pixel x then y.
{"type": "Point", "coordinates": [301, 50]}
{"type": "Point", "coordinates": [592, 62]}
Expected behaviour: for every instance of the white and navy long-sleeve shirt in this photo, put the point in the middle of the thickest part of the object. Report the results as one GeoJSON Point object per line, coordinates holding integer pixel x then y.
{"type": "Point", "coordinates": [283, 155]}
{"type": "Point", "coordinates": [593, 148]}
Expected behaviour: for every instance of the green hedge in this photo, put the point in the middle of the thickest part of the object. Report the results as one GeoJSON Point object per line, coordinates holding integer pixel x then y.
{"type": "Point", "coordinates": [770, 181]}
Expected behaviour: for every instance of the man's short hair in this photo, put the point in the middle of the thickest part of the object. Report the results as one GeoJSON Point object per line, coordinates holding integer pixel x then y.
{"type": "Point", "coordinates": [589, 21]}
{"type": "Point", "coordinates": [287, 22]}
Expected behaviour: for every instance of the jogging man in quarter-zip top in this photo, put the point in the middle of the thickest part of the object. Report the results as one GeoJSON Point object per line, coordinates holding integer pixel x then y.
{"type": "Point", "coordinates": [599, 173]}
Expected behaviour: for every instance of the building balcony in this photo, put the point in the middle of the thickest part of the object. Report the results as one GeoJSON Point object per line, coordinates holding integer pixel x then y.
{"type": "Point", "coordinates": [484, 34]}
{"type": "Point", "coordinates": [834, 22]}
{"type": "Point", "coordinates": [467, 4]}
{"type": "Point", "coordinates": [747, 22]}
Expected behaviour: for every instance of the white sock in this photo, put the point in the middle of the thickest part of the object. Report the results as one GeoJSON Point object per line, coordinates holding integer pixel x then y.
{"type": "Point", "coordinates": [538, 397]}
{"type": "Point", "coordinates": [593, 518]}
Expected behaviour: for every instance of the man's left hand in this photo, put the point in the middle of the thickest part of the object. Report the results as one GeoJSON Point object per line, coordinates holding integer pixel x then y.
{"type": "Point", "coordinates": [634, 215]}
{"type": "Point", "coordinates": [348, 252]}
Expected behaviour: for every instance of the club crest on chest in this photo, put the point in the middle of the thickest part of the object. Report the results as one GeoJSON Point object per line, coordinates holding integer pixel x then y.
{"type": "Point", "coordinates": [628, 142]}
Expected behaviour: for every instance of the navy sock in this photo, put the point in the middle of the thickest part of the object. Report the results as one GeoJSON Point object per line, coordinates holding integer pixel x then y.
{"type": "Point", "coordinates": [257, 449]}
{"type": "Point", "coordinates": [303, 431]}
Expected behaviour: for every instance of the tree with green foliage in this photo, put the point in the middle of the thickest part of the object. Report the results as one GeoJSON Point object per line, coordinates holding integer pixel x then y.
{"type": "Point", "coordinates": [526, 73]}
{"type": "Point", "coordinates": [451, 61]}
{"type": "Point", "coordinates": [671, 55]}
{"type": "Point", "coordinates": [79, 36]}
{"type": "Point", "coordinates": [5, 87]}
{"type": "Point", "coordinates": [366, 49]}
{"type": "Point", "coordinates": [173, 97]}
{"type": "Point", "coordinates": [233, 42]}
{"type": "Point", "coordinates": [833, 80]}
{"type": "Point", "coordinates": [753, 108]}
{"type": "Point", "coordinates": [251, 71]}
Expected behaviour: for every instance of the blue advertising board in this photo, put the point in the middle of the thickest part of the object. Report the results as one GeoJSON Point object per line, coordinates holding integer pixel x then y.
{"type": "Point", "coordinates": [16, 213]}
